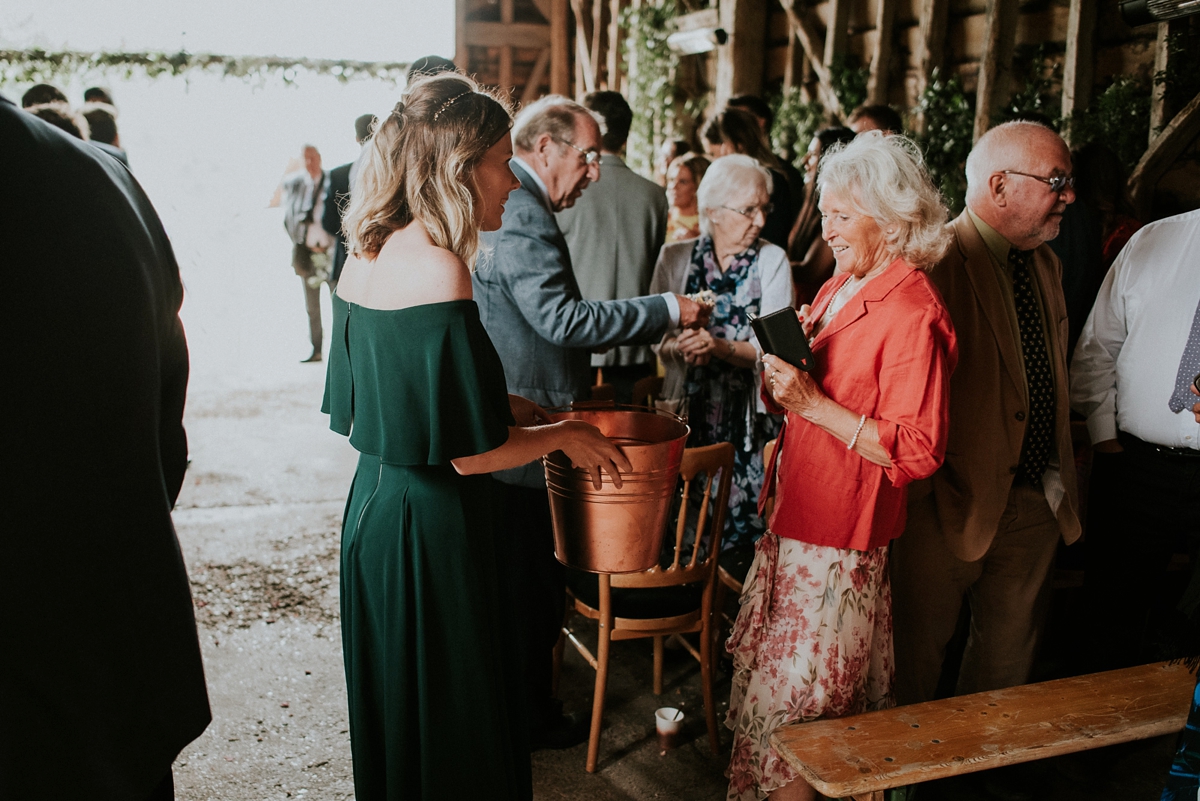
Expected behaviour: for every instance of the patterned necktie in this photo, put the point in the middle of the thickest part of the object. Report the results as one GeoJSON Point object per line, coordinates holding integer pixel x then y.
{"type": "Point", "coordinates": [1039, 433]}
{"type": "Point", "coordinates": [1189, 366]}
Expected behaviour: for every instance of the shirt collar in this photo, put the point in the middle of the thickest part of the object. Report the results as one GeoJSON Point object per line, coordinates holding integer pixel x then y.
{"type": "Point", "coordinates": [997, 245]}
{"type": "Point", "coordinates": [541, 187]}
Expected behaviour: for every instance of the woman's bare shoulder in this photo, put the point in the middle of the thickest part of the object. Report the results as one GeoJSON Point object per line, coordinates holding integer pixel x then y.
{"type": "Point", "coordinates": [408, 271]}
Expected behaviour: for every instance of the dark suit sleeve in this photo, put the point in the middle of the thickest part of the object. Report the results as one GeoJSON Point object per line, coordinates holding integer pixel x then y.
{"type": "Point", "coordinates": [544, 289]}
{"type": "Point", "coordinates": [336, 199]}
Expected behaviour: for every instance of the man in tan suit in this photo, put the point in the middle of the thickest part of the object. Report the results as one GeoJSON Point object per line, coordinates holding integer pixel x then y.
{"type": "Point", "coordinates": [985, 527]}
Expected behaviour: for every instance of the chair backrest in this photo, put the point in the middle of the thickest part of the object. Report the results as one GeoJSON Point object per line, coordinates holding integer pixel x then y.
{"type": "Point", "coordinates": [768, 455]}
{"type": "Point", "coordinates": [705, 519]}
{"type": "Point", "coordinates": [647, 390]}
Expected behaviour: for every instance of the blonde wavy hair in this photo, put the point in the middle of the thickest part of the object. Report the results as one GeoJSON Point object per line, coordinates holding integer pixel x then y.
{"type": "Point", "coordinates": [420, 165]}
{"type": "Point", "coordinates": [884, 177]}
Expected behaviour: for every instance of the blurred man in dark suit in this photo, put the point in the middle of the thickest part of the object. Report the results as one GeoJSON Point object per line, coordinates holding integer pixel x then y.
{"type": "Point", "coordinates": [101, 684]}
{"type": "Point", "coordinates": [338, 199]}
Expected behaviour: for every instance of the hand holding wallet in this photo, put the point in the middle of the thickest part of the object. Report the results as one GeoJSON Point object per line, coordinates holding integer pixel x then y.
{"type": "Point", "coordinates": [780, 334]}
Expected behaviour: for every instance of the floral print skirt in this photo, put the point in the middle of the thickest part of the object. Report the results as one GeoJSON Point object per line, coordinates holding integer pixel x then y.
{"type": "Point", "coordinates": [813, 640]}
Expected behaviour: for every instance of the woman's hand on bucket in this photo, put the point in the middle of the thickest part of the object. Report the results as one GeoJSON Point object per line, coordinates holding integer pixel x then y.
{"type": "Point", "coordinates": [590, 450]}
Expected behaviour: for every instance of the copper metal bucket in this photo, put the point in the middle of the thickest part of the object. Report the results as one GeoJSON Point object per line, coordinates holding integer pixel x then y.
{"type": "Point", "coordinates": [614, 530]}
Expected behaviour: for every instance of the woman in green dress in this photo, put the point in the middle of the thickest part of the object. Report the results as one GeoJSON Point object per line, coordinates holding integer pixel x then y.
{"type": "Point", "coordinates": [432, 670]}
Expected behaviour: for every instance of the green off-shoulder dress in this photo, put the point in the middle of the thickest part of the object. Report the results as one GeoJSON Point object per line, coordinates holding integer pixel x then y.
{"type": "Point", "coordinates": [431, 663]}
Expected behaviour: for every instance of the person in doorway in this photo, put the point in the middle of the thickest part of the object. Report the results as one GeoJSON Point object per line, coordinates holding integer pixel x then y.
{"type": "Point", "coordinates": [303, 195]}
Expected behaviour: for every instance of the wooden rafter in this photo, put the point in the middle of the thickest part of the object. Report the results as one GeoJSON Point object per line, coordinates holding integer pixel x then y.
{"type": "Point", "coordinates": [533, 87]}
{"type": "Point", "coordinates": [583, 36]}
{"type": "Point", "coordinates": [877, 82]}
{"type": "Point", "coordinates": [1162, 153]}
{"type": "Point", "coordinates": [995, 64]}
{"type": "Point", "coordinates": [560, 57]}
{"type": "Point", "coordinates": [1158, 111]}
{"type": "Point", "coordinates": [814, 47]}
{"type": "Point", "coordinates": [838, 32]}
{"type": "Point", "coordinates": [614, 49]}
{"type": "Point", "coordinates": [931, 40]}
{"type": "Point", "coordinates": [1078, 64]}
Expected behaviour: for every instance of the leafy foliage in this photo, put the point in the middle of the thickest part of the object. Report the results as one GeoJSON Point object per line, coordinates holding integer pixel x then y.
{"type": "Point", "coordinates": [795, 124]}
{"type": "Point", "coordinates": [35, 66]}
{"type": "Point", "coordinates": [1119, 117]}
{"type": "Point", "coordinates": [650, 65]}
{"type": "Point", "coordinates": [1181, 78]}
{"type": "Point", "coordinates": [1037, 96]}
{"type": "Point", "coordinates": [946, 142]}
{"type": "Point", "coordinates": [849, 83]}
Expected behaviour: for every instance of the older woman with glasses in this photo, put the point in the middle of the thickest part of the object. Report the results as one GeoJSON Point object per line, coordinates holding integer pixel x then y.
{"type": "Point", "coordinates": [715, 370]}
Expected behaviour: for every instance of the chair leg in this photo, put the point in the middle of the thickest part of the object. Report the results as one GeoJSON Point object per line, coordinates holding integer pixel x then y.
{"type": "Point", "coordinates": [658, 664]}
{"type": "Point", "coordinates": [603, 640]}
{"type": "Point", "coordinates": [559, 644]}
{"type": "Point", "coordinates": [706, 678]}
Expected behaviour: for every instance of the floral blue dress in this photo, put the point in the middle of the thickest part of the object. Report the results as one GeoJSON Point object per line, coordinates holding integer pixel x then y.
{"type": "Point", "coordinates": [723, 399]}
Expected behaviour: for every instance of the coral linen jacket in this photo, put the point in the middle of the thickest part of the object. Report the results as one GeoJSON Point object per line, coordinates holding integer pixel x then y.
{"type": "Point", "coordinates": [888, 354]}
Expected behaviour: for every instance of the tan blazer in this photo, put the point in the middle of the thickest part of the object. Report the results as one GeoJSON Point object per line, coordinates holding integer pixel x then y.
{"type": "Point", "coordinates": [988, 399]}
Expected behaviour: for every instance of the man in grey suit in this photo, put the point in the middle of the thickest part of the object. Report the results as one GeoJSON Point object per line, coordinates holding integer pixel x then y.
{"type": "Point", "coordinates": [530, 304]}
{"type": "Point", "coordinates": [614, 234]}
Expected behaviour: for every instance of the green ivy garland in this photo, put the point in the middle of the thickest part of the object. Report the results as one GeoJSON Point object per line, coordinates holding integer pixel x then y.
{"type": "Point", "coordinates": [1119, 117]}
{"type": "Point", "coordinates": [650, 65]}
{"type": "Point", "coordinates": [37, 66]}
{"type": "Point", "coordinates": [1037, 95]}
{"type": "Point", "coordinates": [849, 83]}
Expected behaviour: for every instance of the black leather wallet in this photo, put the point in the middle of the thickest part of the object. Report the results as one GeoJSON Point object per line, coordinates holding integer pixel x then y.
{"type": "Point", "coordinates": [780, 334]}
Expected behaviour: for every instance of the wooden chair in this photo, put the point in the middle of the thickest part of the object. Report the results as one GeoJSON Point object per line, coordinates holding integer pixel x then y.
{"type": "Point", "coordinates": [647, 390]}
{"type": "Point", "coordinates": [662, 601]}
{"type": "Point", "coordinates": [734, 564]}
{"type": "Point", "coordinates": [861, 756]}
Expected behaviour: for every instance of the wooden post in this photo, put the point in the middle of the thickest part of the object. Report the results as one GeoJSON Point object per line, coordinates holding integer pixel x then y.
{"type": "Point", "coordinates": [740, 62]}
{"type": "Point", "coordinates": [461, 53]}
{"type": "Point", "coordinates": [995, 65]}
{"type": "Point", "coordinates": [1158, 110]}
{"type": "Point", "coordinates": [506, 52]}
{"type": "Point", "coordinates": [1078, 68]}
{"type": "Point", "coordinates": [599, 40]}
{"type": "Point", "coordinates": [838, 31]}
{"type": "Point", "coordinates": [813, 47]}
{"type": "Point", "coordinates": [533, 87]}
{"type": "Point", "coordinates": [877, 83]}
{"type": "Point", "coordinates": [1163, 151]}
{"type": "Point", "coordinates": [793, 67]}
{"type": "Point", "coordinates": [585, 78]}
{"type": "Point", "coordinates": [560, 56]}
{"type": "Point", "coordinates": [614, 46]}
{"type": "Point", "coordinates": [931, 40]}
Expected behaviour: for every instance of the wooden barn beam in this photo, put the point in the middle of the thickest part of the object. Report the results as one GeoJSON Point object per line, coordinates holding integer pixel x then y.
{"type": "Point", "coordinates": [1079, 68]}
{"type": "Point", "coordinates": [545, 8]}
{"type": "Point", "coordinates": [506, 51]}
{"type": "Point", "coordinates": [838, 32]}
{"type": "Point", "coordinates": [1162, 153]}
{"type": "Point", "coordinates": [461, 53]}
{"type": "Point", "coordinates": [533, 87]}
{"type": "Point", "coordinates": [740, 62]}
{"type": "Point", "coordinates": [931, 40]}
{"type": "Point", "coordinates": [793, 67]}
{"type": "Point", "coordinates": [615, 75]}
{"type": "Point", "coordinates": [1158, 110]}
{"type": "Point", "coordinates": [881, 59]}
{"type": "Point", "coordinates": [560, 56]}
{"type": "Point", "coordinates": [813, 46]}
{"type": "Point", "coordinates": [583, 57]}
{"type": "Point", "coordinates": [599, 31]}
{"type": "Point", "coordinates": [527, 35]}
{"type": "Point", "coordinates": [995, 64]}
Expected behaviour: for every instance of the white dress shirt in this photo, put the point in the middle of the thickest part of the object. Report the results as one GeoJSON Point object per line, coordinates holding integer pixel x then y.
{"type": "Point", "coordinates": [1128, 355]}
{"type": "Point", "coordinates": [544, 193]}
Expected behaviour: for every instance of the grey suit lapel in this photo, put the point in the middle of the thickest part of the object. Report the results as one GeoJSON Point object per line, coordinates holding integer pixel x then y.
{"type": "Point", "coordinates": [530, 185]}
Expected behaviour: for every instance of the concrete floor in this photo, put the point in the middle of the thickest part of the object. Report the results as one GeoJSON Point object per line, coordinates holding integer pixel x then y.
{"type": "Point", "coordinates": [259, 523]}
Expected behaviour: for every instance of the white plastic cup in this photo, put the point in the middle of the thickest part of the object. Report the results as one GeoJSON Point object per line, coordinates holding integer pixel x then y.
{"type": "Point", "coordinates": [668, 721]}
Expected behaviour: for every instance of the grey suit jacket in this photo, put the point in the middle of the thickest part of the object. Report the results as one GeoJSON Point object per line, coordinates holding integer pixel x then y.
{"type": "Point", "coordinates": [614, 232]}
{"type": "Point", "coordinates": [543, 329]}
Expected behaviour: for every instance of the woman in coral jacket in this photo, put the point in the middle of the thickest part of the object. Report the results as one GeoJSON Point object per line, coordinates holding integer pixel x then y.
{"type": "Point", "coordinates": [814, 635]}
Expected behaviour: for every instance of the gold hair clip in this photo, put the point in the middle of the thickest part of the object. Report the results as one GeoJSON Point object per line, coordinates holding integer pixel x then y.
{"type": "Point", "coordinates": [450, 103]}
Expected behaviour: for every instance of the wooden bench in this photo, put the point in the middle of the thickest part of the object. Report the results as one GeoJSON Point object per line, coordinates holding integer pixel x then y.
{"type": "Point", "coordinates": [861, 756]}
